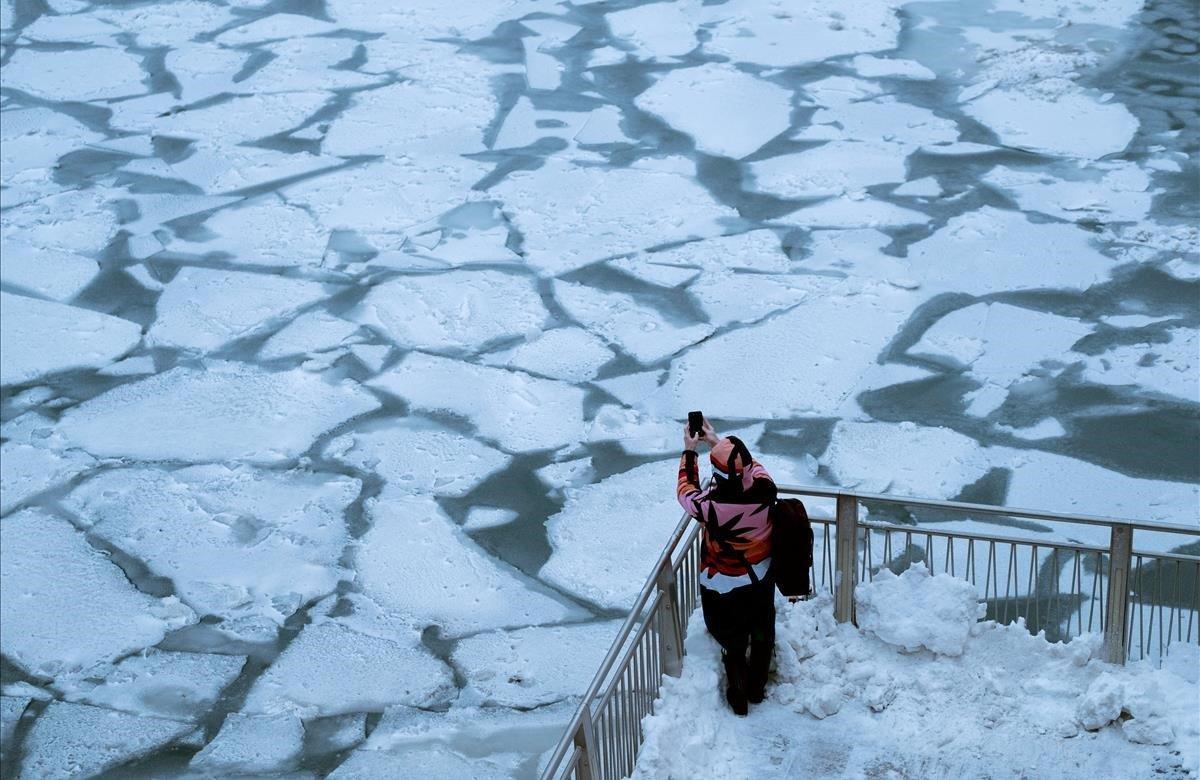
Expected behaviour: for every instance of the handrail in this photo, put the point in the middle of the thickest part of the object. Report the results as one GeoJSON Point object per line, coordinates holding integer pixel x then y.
{"type": "Point", "coordinates": [582, 737]}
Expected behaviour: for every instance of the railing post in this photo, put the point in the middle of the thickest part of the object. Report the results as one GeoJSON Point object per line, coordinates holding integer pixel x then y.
{"type": "Point", "coordinates": [585, 744]}
{"type": "Point", "coordinates": [846, 572]}
{"type": "Point", "coordinates": [1120, 556]}
{"type": "Point", "coordinates": [672, 641]}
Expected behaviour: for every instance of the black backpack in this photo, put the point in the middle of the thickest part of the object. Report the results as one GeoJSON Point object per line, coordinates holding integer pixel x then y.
{"type": "Point", "coordinates": [791, 547]}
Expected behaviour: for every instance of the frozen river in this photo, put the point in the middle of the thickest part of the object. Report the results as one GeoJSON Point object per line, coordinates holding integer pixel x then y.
{"type": "Point", "coordinates": [345, 345]}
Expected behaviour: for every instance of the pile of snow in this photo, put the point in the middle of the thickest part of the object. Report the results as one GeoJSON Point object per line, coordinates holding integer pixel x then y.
{"type": "Point", "coordinates": [971, 697]}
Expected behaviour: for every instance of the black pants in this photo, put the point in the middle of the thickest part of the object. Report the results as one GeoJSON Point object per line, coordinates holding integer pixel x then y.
{"type": "Point", "coordinates": [743, 617]}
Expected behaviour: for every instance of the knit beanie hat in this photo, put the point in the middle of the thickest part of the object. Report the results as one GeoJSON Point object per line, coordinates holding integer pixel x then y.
{"type": "Point", "coordinates": [721, 453]}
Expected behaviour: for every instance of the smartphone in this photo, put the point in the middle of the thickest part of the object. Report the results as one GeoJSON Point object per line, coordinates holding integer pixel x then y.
{"type": "Point", "coordinates": [696, 423]}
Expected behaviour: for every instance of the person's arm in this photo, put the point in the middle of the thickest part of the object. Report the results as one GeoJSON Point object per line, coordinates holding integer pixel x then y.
{"type": "Point", "coordinates": [687, 487]}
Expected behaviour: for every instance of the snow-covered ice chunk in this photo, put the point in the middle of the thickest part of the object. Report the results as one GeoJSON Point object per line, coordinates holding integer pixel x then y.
{"type": "Point", "coordinates": [903, 458]}
{"type": "Point", "coordinates": [11, 709]}
{"type": "Point", "coordinates": [881, 121]}
{"type": "Point", "coordinates": [831, 169]}
{"type": "Point", "coordinates": [531, 667]}
{"type": "Point", "coordinates": [265, 232]}
{"type": "Point", "coordinates": [203, 308]}
{"type": "Point", "coordinates": [235, 121]}
{"type": "Point", "coordinates": [77, 740]}
{"type": "Point", "coordinates": [330, 669]}
{"type": "Point", "coordinates": [77, 221]}
{"type": "Point", "coordinates": [999, 342]}
{"type": "Point", "coordinates": [854, 212]}
{"type": "Point", "coordinates": [423, 571]}
{"type": "Point", "coordinates": [525, 124]}
{"type": "Point", "coordinates": [1115, 192]}
{"type": "Point", "coordinates": [817, 353]}
{"type": "Point", "coordinates": [727, 112]}
{"type": "Point", "coordinates": [26, 470]}
{"type": "Point", "coordinates": [1055, 117]}
{"type": "Point", "coordinates": [917, 610]}
{"type": "Point", "coordinates": [542, 69]}
{"type": "Point", "coordinates": [639, 330]}
{"type": "Point", "coordinates": [572, 215]}
{"type": "Point", "coordinates": [518, 411]}
{"type": "Point", "coordinates": [373, 356]}
{"type": "Point", "coordinates": [221, 167]}
{"type": "Point", "coordinates": [67, 608]}
{"type": "Point", "coordinates": [74, 74]}
{"type": "Point", "coordinates": [253, 744]}
{"type": "Point", "coordinates": [796, 32]}
{"type": "Point", "coordinates": [46, 272]}
{"type": "Point", "coordinates": [656, 30]}
{"type": "Point", "coordinates": [755, 250]}
{"type": "Point", "coordinates": [566, 473]}
{"type": "Point", "coordinates": [35, 138]}
{"type": "Point", "coordinates": [473, 245]}
{"type": "Point", "coordinates": [459, 310]}
{"type": "Point", "coordinates": [569, 354]}
{"type": "Point", "coordinates": [873, 67]}
{"type": "Point", "coordinates": [636, 432]}
{"type": "Point", "coordinates": [415, 455]}
{"type": "Point", "coordinates": [595, 551]}
{"type": "Point", "coordinates": [1049, 428]}
{"type": "Point", "coordinates": [1115, 13]}
{"type": "Point", "coordinates": [990, 250]}
{"type": "Point", "coordinates": [927, 187]}
{"type": "Point", "coordinates": [177, 686]}
{"type": "Point", "coordinates": [433, 761]}
{"type": "Point", "coordinates": [43, 337]}
{"type": "Point", "coordinates": [644, 267]}
{"type": "Point", "coordinates": [481, 517]}
{"type": "Point", "coordinates": [1171, 368]}
{"type": "Point", "coordinates": [314, 331]}
{"type": "Point", "coordinates": [244, 413]}
{"type": "Point", "coordinates": [235, 542]}
{"type": "Point", "coordinates": [139, 365]}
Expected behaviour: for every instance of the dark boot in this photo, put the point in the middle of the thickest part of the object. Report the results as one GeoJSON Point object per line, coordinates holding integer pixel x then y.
{"type": "Point", "coordinates": [735, 686]}
{"type": "Point", "coordinates": [756, 675]}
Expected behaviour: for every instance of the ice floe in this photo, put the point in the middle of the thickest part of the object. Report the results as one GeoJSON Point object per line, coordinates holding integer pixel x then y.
{"type": "Point", "coordinates": [74, 74]}
{"type": "Point", "coordinates": [314, 331]}
{"type": "Point", "coordinates": [176, 686]}
{"type": "Point", "coordinates": [415, 455]}
{"type": "Point", "coordinates": [245, 413]}
{"type": "Point", "coordinates": [854, 211]}
{"type": "Point", "coordinates": [1171, 368]}
{"type": "Point", "coordinates": [796, 32]}
{"type": "Point", "coordinates": [203, 308]}
{"type": "Point", "coordinates": [731, 298]}
{"type": "Point", "coordinates": [569, 354]}
{"type": "Point", "coordinates": [656, 31]}
{"type": "Point", "coordinates": [11, 709]}
{"type": "Point", "coordinates": [253, 745]}
{"type": "Point", "coordinates": [883, 120]}
{"type": "Point", "coordinates": [43, 337]}
{"type": "Point", "coordinates": [904, 458]}
{"type": "Point", "coordinates": [417, 566]}
{"type": "Point", "coordinates": [330, 669]}
{"type": "Point", "coordinates": [608, 530]}
{"type": "Point", "coordinates": [873, 67]}
{"type": "Point", "coordinates": [236, 120]}
{"type": "Point", "coordinates": [531, 667]}
{"type": "Point", "coordinates": [481, 517]}
{"type": "Point", "coordinates": [834, 168]}
{"type": "Point", "coordinates": [927, 187]}
{"type": "Point", "coordinates": [76, 221]}
{"type": "Point", "coordinates": [77, 740]}
{"type": "Point", "coordinates": [26, 470]}
{"type": "Point", "coordinates": [727, 112]}
{"type": "Point", "coordinates": [990, 250]}
{"type": "Point", "coordinates": [572, 215]}
{"type": "Point", "coordinates": [67, 607]}
{"type": "Point", "coordinates": [645, 268]}
{"type": "Point", "coordinates": [461, 310]}
{"type": "Point", "coordinates": [45, 272]}
{"type": "Point", "coordinates": [264, 232]}
{"type": "Point", "coordinates": [518, 411]}
{"type": "Point", "coordinates": [640, 331]}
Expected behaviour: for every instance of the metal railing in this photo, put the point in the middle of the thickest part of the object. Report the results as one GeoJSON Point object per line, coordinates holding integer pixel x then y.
{"type": "Point", "coordinates": [1060, 587]}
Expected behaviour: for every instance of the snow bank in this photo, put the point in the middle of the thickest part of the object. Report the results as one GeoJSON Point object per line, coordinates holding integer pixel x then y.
{"type": "Point", "coordinates": [917, 610]}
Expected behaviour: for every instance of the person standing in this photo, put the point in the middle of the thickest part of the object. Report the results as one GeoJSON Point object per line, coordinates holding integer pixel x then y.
{"type": "Point", "coordinates": [736, 586]}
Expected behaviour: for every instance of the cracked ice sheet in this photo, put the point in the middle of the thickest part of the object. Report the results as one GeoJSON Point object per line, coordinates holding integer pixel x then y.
{"type": "Point", "coordinates": [1055, 116]}
{"type": "Point", "coordinates": [903, 458]}
{"type": "Point", "coordinates": [819, 352]}
{"type": "Point", "coordinates": [640, 331]}
{"type": "Point", "coordinates": [1171, 368]}
{"type": "Point", "coordinates": [331, 669]}
{"type": "Point", "coordinates": [204, 308]}
{"type": "Point", "coordinates": [252, 745]}
{"type": "Point", "coordinates": [222, 167]}
{"type": "Point", "coordinates": [455, 311]}
{"type": "Point", "coordinates": [67, 608]}
{"type": "Point", "coordinates": [834, 168]}
{"type": "Point", "coordinates": [729, 298]}
{"type": "Point", "coordinates": [79, 221]}
{"type": "Point", "coordinates": [26, 470]}
{"type": "Point", "coordinates": [573, 215]}
{"type": "Point", "coordinates": [727, 112]}
{"type": "Point", "coordinates": [593, 555]}
{"type": "Point", "coordinates": [1117, 191]}
{"type": "Point", "coordinates": [881, 121]}
{"type": "Point", "coordinates": [415, 455]}
{"type": "Point", "coordinates": [42, 337]}
{"type": "Point", "coordinates": [853, 212]}
{"type": "Point", "coordinates": [314, 331]}
{"type": "Point", "coordinates": [77, 740]}
{"type": "Point", "coordinates": [49, 273]}
{"type": "Point", "coordinates": [264, 232]}
{"type": "Point", "coordinates": [1001, 343]}
{"type": "Point", "coordinates": [233, 121]}
{"type": "Point", "coordinates": [236, 543]}
{"type": "Point", "coordinates": [795, 32]}
{"type": "Point", "coordinates": [518, 411]}
{"type": "Point", "coordinates": [881, 67]}
{"type": "Point", "coordinates": [243, 412]}
{"type": "Point", "coordinates": [448, 580]}
{"type": "Point", "coordinates": [990, 250]}
{"type": "Point", "coordinates": [657, 31]}
{"type": "Point", "coordinates": [36, 137]}
{"type": "Point", "coordinates": [531, 667]}
{"type": "Point", "coordinates": [75, 74]}
{"type": "Point", "coordinates": [755, 250]}
{"type": "Point", "coordinates": [570, 354]}
{"type": "Point", "coordinates": [176, 686]}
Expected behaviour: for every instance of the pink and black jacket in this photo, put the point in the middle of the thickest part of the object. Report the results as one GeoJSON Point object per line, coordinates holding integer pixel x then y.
{"type": "Point", "coordinates": [737, 525]}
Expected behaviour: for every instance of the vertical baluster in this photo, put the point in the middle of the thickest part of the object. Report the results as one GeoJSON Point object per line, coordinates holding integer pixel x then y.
{"type": "Point", "coordinates": [1033, 588]}
{"type": "Point", "coordinates": [1120, 555]}
{"type": "Point", "coordinates": [929, 564]}
{"type": "Point", "coordinates": [1077, 587]}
